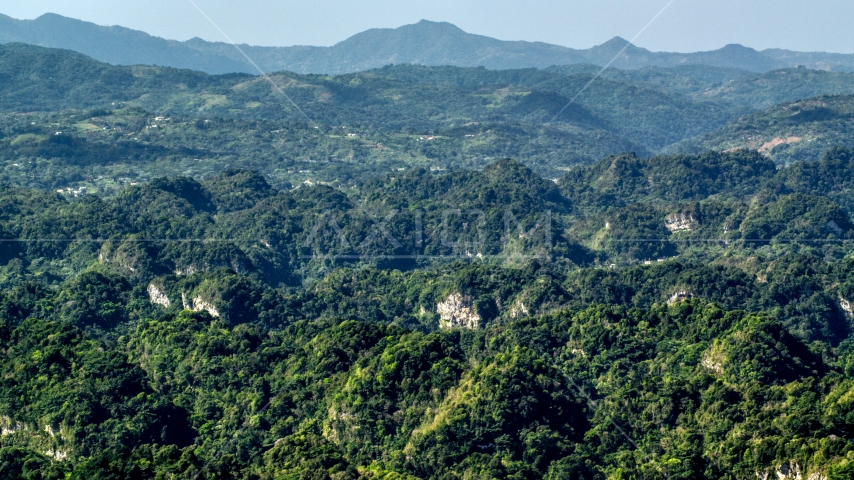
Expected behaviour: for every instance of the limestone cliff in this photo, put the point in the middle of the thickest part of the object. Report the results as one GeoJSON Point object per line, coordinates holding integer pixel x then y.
{"type": "Point", "coordinates": [680, 222]}
{"type": "Point", "coordinates": [158, 296]}
{"type": "Point", "coordinates": [457, 312]}
{"type": "Point", "coordinates": [679, 296]}
{"type": "Point", "coordinates": [846, 307]}
{"type": "Point", "coordinates": [199, 305]}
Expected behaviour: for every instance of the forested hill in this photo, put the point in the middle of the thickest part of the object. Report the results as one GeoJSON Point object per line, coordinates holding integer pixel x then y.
{"type": "Point", "coordinates": [659, 100]}
{"type": "Point", "coordinates": [130, 124]}
{"type": "Point", "coordinates": [787, 133]}
{"type": "Point", "coordinates": [425, 43]}
{"type": "Point", "coordinates": [623, 211]}
{"type": "Point", "coordinates": [199, 280]}
{"type": "Point", "coordinates": [435, 325]}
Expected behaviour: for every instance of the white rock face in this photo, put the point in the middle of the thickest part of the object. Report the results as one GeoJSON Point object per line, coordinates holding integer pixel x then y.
{"type": "Point", "coordinates": [457, 312]}
{"type": "Point", "coordinates": [8, 427]}
{"type": "Point", "coordinates": [713, 364]}
{"type": "Point", "coordinates": [679, 222]}
{"type": "Point", "coordinates": [519, 310]}
{"type": "Point", "coordinates": [199, 305]}
{"type": "Point", "coordinates": [679, 297]}
{"type": "Point", "coordinates": [57, 454]}
{"type": "Point", "coordinates": [157, 296]}
{"type": "Point", "coordinates": [186, 272]}
{"type": "Point", "coordinates": [790, 471]}
{"type": "Point", "coordinates": [846, 307]}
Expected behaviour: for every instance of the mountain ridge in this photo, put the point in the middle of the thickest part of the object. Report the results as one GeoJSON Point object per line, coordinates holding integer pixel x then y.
{"type": "Point", "coordinates": [426, 42]}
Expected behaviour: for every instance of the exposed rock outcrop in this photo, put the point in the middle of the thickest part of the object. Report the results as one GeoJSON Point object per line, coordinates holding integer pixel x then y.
{"type": "Point", "coordinates": [54, 451]}
{"type": "Point", "coordinates": [846, 307]}
{"type": "Point", "coordinates": [46, 441]}
{"type": "Point", "coordinates": [202, 305]}
{"type": "Point", "coordinates": [341, 425]}
{"type": "Point", "coordinates": [191, 270]}
{"type": "Point", "coordinates": [790, 471]}
{"type": "Point", "coordinates": [157, 296]}
{"type": "Point", "coordinates": [457, 312]}
{"type": "Point", "coordinates": [679, 297]}
{"type": "Point", "coordinates": [57, 454]}
{"type": "Point", "coordinates": [713, 362]}
{"type": "Point", "coordinates": [126, 256]}
{"type": "Point", "coordinates": [9, 427]}
{"type": "Point", "coordinates": [199, 305]}
{"type": "Point", "coordinates": [680, 222]}
{"type": "Point", "coordinates": [519, 310]}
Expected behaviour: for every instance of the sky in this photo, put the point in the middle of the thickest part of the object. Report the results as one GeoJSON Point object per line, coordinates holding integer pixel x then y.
{"type": "Point", "coordinates": [685, 26]}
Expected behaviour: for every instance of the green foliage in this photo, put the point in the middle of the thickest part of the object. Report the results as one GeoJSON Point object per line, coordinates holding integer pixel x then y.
{"type": "Point", "coordinates": [801, 130]}
{"type": "Point", "coordinates": [306, 456]}
{"type": "Point", "coordinates": [351, 399]}
{"type": "Point", "coordinates": [796, 217]}
{"type": "Point", "coordinates": [761, 351]}
{"type": "Point", "coordinates": [634, 233]}
{"type": "Point", "coordinates": [831, 177]}
{"type": "Point", "coordinates": [22, 464]}
{"type": "Point", "coordinates": [758, 92]}
{"type": "Point", "coordinates": [675, 316]}
{"type": "Point", "coordinates": [627, 179]}
{"type": "Point", "coordinates": [95, 300]}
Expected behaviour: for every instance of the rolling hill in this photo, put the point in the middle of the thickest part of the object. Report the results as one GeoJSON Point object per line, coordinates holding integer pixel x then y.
{"type": "Point", "coordinates": [199, 280]}
{"type": "Point", "coordinates": [361, 123]}
{"type": "Point", "coordinates": [787, 133]}
{"type": "Point", "coordinates": [410, 100]}
{"type": "Point", "coordinates": [762, 91]}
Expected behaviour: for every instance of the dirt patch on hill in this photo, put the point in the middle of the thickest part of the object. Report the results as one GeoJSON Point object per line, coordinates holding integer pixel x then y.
{"type": "Point", "coordinates": [768, 146]}
{"type": "Point", "coordinates": [764, 147]}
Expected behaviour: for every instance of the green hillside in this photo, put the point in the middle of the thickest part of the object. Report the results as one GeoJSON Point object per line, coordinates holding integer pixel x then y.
{"type": "Point", "coordinates": [102, 150]}
{"type": "Point", "coordinates": [738, 90]}
{"type": "Point", "coordinates": [760, 92]}
{"type": "Point", "coordinates": [389, 99]}
{"type": "Point", "coordinates": [425, 272]}
{"type": "Point", "coordinates": [440, 117]}
{"type": "Point", "coordinates": [786, 133]}
{"type": "Point", "coordinates": [388, 119]}
{"type": "Point", "coordinates": [685, 79]}
{"type": "Point", "coordinates": [230, 329]}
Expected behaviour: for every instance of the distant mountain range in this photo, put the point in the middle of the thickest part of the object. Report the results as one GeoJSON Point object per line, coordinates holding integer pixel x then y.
{"type": "Point", "coordinates": [425, 43]}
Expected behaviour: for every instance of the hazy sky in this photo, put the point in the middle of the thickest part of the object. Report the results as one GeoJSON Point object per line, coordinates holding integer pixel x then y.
{"type": "Point", "coordinates": [687, 25]}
